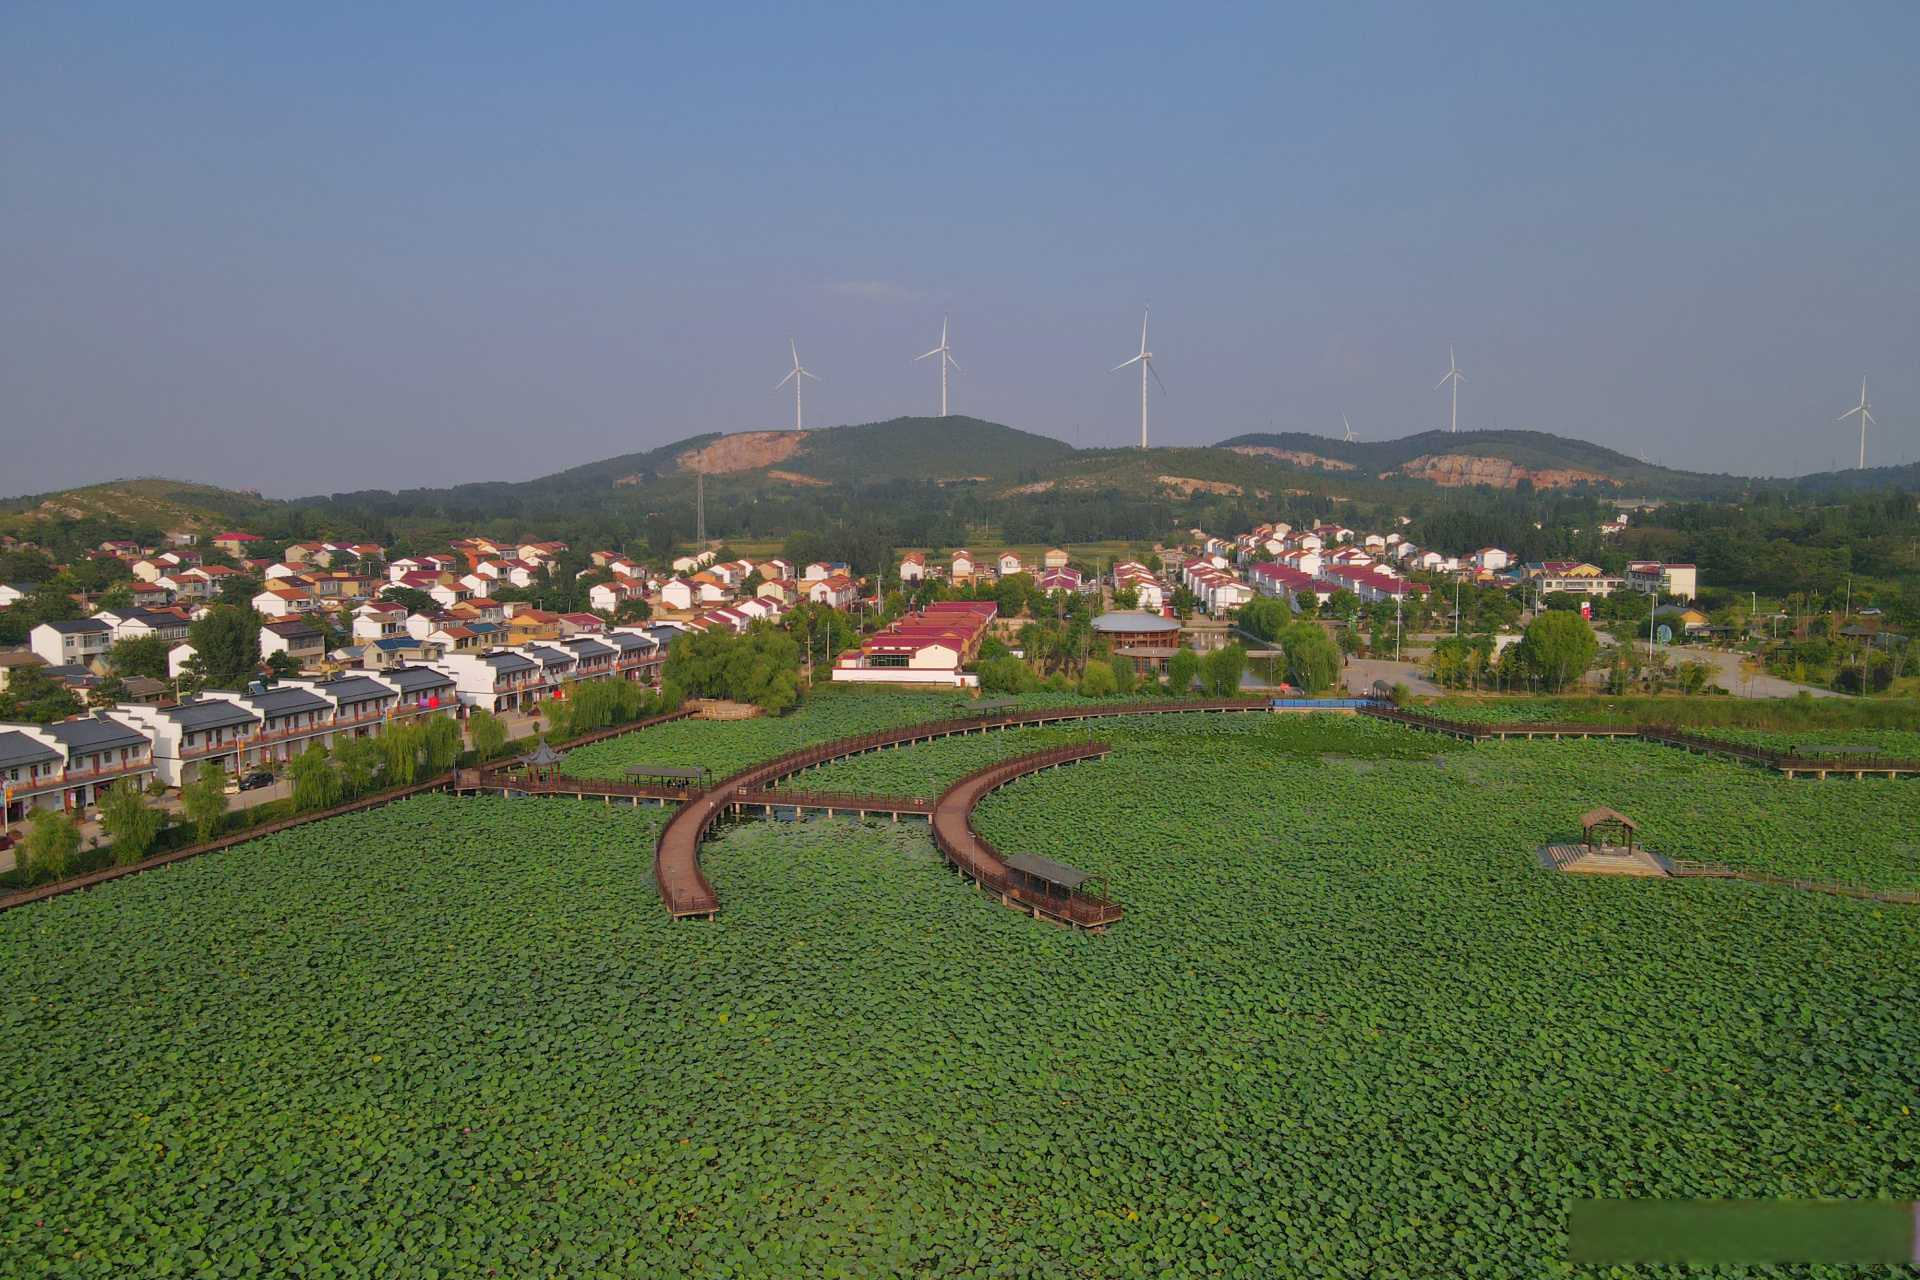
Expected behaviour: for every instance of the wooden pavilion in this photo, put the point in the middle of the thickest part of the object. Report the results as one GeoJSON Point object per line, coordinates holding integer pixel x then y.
{"type": "Point", "coordinates": [1595, 824]}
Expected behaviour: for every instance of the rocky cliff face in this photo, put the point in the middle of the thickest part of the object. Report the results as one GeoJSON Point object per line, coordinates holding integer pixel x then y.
{"type": "Point", "coordinates": [1457, 470]}
{"type": "Point", "coordinates": [1298, 457]}
{"type": "Point", "coordinates": [743, 451]}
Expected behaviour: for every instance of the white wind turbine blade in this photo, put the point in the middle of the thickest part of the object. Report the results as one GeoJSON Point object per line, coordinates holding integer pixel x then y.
{"type": "Point", "coordinates": [917, 359]}
{"type": "Point", "coordinates": [803, 373]}
{"type": "Point", "coordinates": [1443, 381]}
{"type": "Point", "coordinates": [953, 362]}
{"type": "Point", "coordinates": [1143, 327]}
{"type": "Point", "coordinates": [1155, 372]}
{"type": "Point", "coordinates": [1124, 363]}
{"type": "Point", "coordinates": [789, 378]}
{"type": "Point", "coordinates": [795, 349]}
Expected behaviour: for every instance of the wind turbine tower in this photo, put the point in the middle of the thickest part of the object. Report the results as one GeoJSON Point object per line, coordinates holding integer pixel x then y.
{"type": "Point", "coordinates": [1349, 426]}
{"type": "Point", "coordinates": [798, 377]}
{"type": "Point", "coordinates": [1145, 361]}
{"type": "Point", "coordinates": [1866, 416]}
{"type": "Point", "coordinates": [946, 358]}
{"type": "Point", "coordinates": [1456, 378]}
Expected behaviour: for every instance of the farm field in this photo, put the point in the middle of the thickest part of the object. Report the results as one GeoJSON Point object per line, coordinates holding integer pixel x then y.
{"type": "Point", "coordinates": [1349, 1027]}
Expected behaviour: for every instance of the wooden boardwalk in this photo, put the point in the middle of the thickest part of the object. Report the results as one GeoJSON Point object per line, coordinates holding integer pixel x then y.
{"type": "Point", "coordinates": [684, 887]}
{"type": "Point", "coordinates": [1782, 762]}
{"type": "Point", "coordinates": [972, 855]}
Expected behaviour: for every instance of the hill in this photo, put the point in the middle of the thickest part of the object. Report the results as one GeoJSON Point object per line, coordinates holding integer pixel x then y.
{"type": "Point", "coordinates": [145, 503]}
{"type": "Point", "coordinates": [1829, 482]}
{"type": "Point", "coordinates": [1501, 459]}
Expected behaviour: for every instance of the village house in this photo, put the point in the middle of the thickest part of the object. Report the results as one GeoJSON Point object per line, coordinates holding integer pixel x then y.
{"type": "Point", "coordinates": [913, 567]}
{"type": "Point", "coordinates": [88, 754]}
{"type": "Point", "coordinates": [193, 734]}
{"type": "Point", "coordinates": [299, 640]}
{"type": "Point", "coordinates": [1650, 577]}
{"type": "Point", "coordinates": [77, 641]}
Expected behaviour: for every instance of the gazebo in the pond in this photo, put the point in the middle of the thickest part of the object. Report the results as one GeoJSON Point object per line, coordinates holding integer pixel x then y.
{"type": "Point", "coordinates": [541, 763]}
{"type": "Point", "coordinates": [1058, 890]}
{"type": "Point", "coordinates": [1597, 825]}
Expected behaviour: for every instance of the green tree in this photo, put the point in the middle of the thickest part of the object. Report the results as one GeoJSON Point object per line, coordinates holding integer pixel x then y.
{"type": "Point", "coordinates": [282, 664]}
{"type": "Point", "coordinates": [1559, 646]}
{"type": "Point", "coordinates": [439, 743]}
{"type": "Point", "coordinates": [110, 692]}
{"type": "Point", "coordinates": [1124, 679]}
{"type": "Point", "coordinates": [315, 784]}
{"type": "Point", "coordinates": [632, 611]}
{"type": "Point", "coordinates": [36, 697]}
{"type": "Point", "coordinates": [129, 821]}
{"type": "Point", "coordinates": [238, 591]}
{"type": "Point", "coordinates": [400, 750]}
{"type": "Point", "coordinates": [1181, 670]}
{"type": "Point", "coordinates": [1098, 682]}
{"type": "Point", "coordinates": [1184, 603]}
{"type": "Point", "coordinates": [227, 642]}
{"type": "Point", "coordinates": [1309, 603]}
{"type": "Point", "coordinates": [51, 843]}
{"type": "Point", "coordinates": [1127, 598]}
{"type": "Point", "coordinates": [412, 598]}
{"type": "Point", "coordinates": [1007, 676]}
{"type": "Point", "coordinates": [1220, 671]}
{"type": "Point", "coordinates": [356, 759]}
{"type": "Point", "coordinates": [1313, 662]}
{"type": "Point", "coordinates": [760, 666]}
{"type": "Point", "coordinates": [1342, 604]}
{"type": "Point", "coordinates": [489, 734]}
{"type": "Point", "coordinates": [205, 800]}
{"type": "Point", "coordinates": [145, 656]}
{"type": "Point", "coordinates": [1265, 618]}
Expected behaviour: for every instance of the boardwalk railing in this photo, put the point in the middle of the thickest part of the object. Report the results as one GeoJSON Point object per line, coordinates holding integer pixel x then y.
{"type": "Point", "coordinates": [1785, 762]}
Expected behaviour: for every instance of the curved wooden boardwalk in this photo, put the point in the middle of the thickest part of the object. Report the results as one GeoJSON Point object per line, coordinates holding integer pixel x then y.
{"type": "Point", "coordinates": [676, 854]}
{"type": "Point", "coordinates": [973, 855]}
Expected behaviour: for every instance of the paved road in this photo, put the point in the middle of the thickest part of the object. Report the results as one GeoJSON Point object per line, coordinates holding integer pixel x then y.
{"type": "Point", "coordinates": [1731, 678]}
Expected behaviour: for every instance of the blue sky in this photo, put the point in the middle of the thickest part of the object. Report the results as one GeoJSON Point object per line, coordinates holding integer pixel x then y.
{"type": "Point", "coordinates": [310, 248]}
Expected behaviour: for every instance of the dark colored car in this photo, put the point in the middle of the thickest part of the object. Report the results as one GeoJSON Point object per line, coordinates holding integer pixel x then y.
{"type": "Point", "coordinates": [259, 778]}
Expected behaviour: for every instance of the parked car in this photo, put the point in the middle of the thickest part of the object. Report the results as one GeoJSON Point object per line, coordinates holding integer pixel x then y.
{"type": "Point", "coordinates": [258, 778]}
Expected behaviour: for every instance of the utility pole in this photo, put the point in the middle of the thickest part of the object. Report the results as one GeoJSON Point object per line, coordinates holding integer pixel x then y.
{"type": "Point", "coordinates": [1397, 601]}
{"type": "Point", "coordinates": [700, 513]}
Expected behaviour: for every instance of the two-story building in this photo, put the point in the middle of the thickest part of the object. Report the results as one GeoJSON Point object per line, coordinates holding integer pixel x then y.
{"type": "Point", "coordinates": [91, 753]}
{"type": "Point", "coordinates": [72, 643]}
{"type": "Point", "coordinates": [492, 679]}
{"type": "Point", "coordinates": [192, 734]}
{"type": "Point", "coordinates": [290, 718]}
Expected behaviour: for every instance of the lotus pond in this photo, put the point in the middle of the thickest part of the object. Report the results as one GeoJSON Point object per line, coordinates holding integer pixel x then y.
{"type": "Point", "coordinates": [1349, 1027]}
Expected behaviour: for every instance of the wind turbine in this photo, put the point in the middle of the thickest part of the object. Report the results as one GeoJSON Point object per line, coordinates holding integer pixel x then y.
{"type": "Point", "coordinates": [946, 358]}
{"type": "Point", "coordinates": [1866, 416]}
{"type": "Point", "coordinates": [798, 377]}
{"type": "Point", "coordinates": [1349, 426]}
{"type": "Point", "coordinates": [1145, 361]}
{"type": "Point", "coordinates": [1456, 378]}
